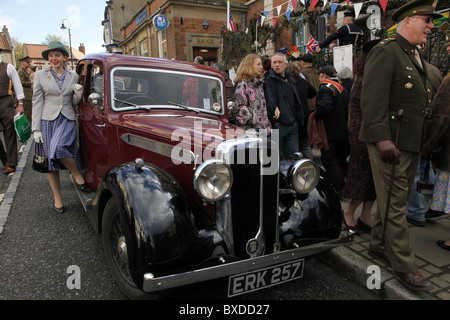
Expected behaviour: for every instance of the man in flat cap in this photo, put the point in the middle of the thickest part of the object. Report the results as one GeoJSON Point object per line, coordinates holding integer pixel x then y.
{"type": "Point", "coordinates": [396, 77]}
{"type": "Point", "coordinates": [25, 62]}
{"type": "Point", "coordinates": [332, 108]}
{"type": "Point", "coordinates": [349, 33]}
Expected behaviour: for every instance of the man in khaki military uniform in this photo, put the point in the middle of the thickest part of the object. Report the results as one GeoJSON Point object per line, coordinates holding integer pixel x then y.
{"type": "Point", "coordinates": [26, 84]}
{"type": "Point", "coordinates": [395, 77]}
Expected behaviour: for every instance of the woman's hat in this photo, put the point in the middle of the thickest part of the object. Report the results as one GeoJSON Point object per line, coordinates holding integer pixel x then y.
{"type": "Point", "coordinates": [55, 45]}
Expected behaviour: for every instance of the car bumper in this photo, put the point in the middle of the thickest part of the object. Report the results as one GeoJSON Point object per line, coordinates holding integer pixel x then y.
{"type": "Point", "coordinates": [153, 284]}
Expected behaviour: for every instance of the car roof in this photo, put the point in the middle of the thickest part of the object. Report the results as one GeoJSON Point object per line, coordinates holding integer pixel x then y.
{"type": "Point", "coordinates": [111, 60]}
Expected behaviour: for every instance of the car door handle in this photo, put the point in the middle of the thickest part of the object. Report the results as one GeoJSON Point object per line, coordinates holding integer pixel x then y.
{"type": "Point", "coordinates": [100, 125]}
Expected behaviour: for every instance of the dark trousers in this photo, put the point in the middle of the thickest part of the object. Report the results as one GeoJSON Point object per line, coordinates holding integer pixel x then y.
{"type": "Point", "coordinates": [334, 162]}
{"type": "Point", "coordinates": [7, 111]}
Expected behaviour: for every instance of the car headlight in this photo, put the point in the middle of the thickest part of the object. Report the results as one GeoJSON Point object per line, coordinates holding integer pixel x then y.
{"type": "Point", "coordinates": [212, 180]}
{"type": "Point", "coordinates": [304, 175]}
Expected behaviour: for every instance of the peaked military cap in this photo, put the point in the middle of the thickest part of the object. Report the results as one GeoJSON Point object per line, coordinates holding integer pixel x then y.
{"type": "Point", "coordinates": [349, 14]}
{"type": "Point", "coordinates": [416, 7]}
{"type": "Point", "coordinates": [25, 58]}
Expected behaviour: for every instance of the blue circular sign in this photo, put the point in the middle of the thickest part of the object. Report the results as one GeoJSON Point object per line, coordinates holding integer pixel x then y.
{"type": "Point", "coordinates": [161, 22]}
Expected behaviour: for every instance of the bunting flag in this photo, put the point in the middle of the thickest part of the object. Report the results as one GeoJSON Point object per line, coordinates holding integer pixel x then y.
{"type": "Point", "coordinates": [333, 8]}
{"type": "Point", "coordinates": [288, 15]}
{"type": "Point", "coordinates": [313, 4]}
{"type": "Point", "coordinates": [325, 3]}
{"type": "Point", "coordinates": [312, 44]}
{"type": "Point", "coordinates": [383, 4]}
{"type": "Point", "coordinates": [275, 21]}
{"type": "Point", "coordinates": [293, 3]}
{"type": "Point", "coordinates": [278, 10]}
{"type": "Point", "coordinates": [357, 7]}
{"type": "Point", "coordinates": [348, 2]}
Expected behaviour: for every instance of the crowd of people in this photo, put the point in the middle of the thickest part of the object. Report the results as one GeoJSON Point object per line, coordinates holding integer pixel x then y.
{"type": "Point", "coordinates": [380, 129]}
{"type": "Point", "coordinates": [370, 127]}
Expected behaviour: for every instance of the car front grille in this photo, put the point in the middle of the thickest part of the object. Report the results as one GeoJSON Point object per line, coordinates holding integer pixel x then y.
{"type": "Point", "coordinates": [253, 202]}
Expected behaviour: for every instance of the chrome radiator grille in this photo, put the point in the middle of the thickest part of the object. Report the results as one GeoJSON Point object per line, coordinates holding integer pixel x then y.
{"type": "Point", "coordinates": [253, 202]}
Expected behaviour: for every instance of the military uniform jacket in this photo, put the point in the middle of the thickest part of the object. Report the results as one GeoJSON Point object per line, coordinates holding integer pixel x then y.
{"type": "Point", "coordinates": [394, 80]}
{"type": "Point", "coordinates": [347, 34]}
{"type": "Point", "coordinates": [26, 83]}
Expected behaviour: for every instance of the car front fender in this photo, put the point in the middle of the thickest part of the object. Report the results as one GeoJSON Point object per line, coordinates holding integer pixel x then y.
{"type": "Point", "coordinates": [153, 214]}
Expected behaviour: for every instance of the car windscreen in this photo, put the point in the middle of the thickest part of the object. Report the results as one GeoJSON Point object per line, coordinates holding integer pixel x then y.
{"type": "Point", "coordinates": [149, 88]}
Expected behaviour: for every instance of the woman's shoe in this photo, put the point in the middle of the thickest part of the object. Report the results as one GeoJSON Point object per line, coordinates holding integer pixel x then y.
{"type": "Point", "coordinates": [363, 226]}
{"type": "Point", "coordinates": [441, 243]}
{"type": "Point", "coordinates": [347, 227]}
{"type": "Point", "coordinates": [59, 210]}
{"type": "Point", "coordinates": [83, 187]}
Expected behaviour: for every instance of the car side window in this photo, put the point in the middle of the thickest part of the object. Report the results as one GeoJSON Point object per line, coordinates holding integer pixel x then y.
{"type": "Point", "coordinates": [96, 84]}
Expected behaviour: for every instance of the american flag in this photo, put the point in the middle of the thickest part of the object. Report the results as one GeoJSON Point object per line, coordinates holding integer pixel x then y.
{"type": "Point", "coordinates": [230, 22]}
{"type": "Point", "coordinates": [312, 44]}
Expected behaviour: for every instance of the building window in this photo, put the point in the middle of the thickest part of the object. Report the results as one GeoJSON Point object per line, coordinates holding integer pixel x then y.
{"type": "Point", "coordinates": [144, 48]}
{"type": "Point", "coordinates": [162, 40]}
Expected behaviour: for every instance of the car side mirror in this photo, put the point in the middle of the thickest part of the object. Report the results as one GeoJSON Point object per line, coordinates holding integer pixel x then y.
{"type": "Point", "coordinates": [95, 99]}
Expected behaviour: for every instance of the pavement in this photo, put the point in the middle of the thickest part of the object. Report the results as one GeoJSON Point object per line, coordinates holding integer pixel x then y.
{"type": "Point", "coordinates": [352, 261]}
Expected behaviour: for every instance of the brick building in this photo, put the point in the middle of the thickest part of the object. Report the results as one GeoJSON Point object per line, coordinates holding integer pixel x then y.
{"type": "Point", "coordinates": [194, 26]}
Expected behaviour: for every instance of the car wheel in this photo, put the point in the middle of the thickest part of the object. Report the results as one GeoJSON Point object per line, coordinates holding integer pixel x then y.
{"type": "Point", "coordinates": [115, 247]}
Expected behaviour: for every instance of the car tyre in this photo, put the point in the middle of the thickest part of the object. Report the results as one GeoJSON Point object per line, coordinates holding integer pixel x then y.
{"type": "Point", "coordinates": [114, 245]}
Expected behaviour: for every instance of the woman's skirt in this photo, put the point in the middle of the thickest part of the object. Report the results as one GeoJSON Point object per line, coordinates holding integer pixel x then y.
{"type": "Point", "coordinates": [60, 141]}
{"type": "Point", "coordinates": [441, 192]}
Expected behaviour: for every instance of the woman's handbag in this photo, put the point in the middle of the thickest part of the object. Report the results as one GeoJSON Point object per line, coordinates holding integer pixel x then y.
{"type": "Point", "coordinates": [40, 161]}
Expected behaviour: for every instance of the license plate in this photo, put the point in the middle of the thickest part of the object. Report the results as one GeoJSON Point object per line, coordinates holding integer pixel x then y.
{"type": "Point", "coordinates": [263, 278]}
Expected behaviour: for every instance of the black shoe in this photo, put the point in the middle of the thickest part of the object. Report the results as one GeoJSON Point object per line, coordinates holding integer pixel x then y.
{"type": "Point", "coordinates": [363, 226]}
{"type": "Point", "coordinates": [377, 254]}
{"type": "Point", "coordinates": [433, 214]}
{"type": "Point", "coordinates": [347, 227]}
{"type": "Point", "coordinates": [59, 210]}
{"type": "Point", "coordinates": [415, 222]}
{"type": "Point", "coordinates": [83, 187]}
{"type": "Point", "coordinates": [441, 243]}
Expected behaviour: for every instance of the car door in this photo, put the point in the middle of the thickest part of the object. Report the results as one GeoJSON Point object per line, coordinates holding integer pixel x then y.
{"type": "Point", "coordinates": [93, 125]}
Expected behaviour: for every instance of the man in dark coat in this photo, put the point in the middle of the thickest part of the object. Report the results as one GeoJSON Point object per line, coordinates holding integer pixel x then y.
{"type": "Point", "coordinates": [396, 77]}
{"type": "Point", "coordinates": [284, 107]}
{"type": "Point", "coordinates": [332, 107]}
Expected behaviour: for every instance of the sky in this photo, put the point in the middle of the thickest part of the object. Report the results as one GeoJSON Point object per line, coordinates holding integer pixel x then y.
{"type": "Point", "coordinates": [31, 21]}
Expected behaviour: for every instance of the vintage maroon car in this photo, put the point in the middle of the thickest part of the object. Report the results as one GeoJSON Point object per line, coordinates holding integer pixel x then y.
{"type": "Point", "coordinates": [179, 194]}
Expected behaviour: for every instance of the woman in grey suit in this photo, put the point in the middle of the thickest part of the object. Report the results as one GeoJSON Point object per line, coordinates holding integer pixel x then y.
{"type": "Point", "coordinates": [56, 92]}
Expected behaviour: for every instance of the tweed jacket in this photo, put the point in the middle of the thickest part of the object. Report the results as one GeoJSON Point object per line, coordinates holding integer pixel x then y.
{"type": "Point", "coordinates": [439, 130]}
{"type": "Point", "coordinates": [49, 101]}
{"type": "Point", "coordinates": [394, 80]}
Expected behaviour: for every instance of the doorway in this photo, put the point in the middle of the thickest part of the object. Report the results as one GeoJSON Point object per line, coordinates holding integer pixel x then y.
{"type": "Point", "coordinates": [209, 54]}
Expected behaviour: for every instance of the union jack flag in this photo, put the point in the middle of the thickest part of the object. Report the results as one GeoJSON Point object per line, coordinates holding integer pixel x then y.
{"type": "Point", "coordinates": [230, 22]}
{"type": "Point", "coordinates": [312, 44]}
